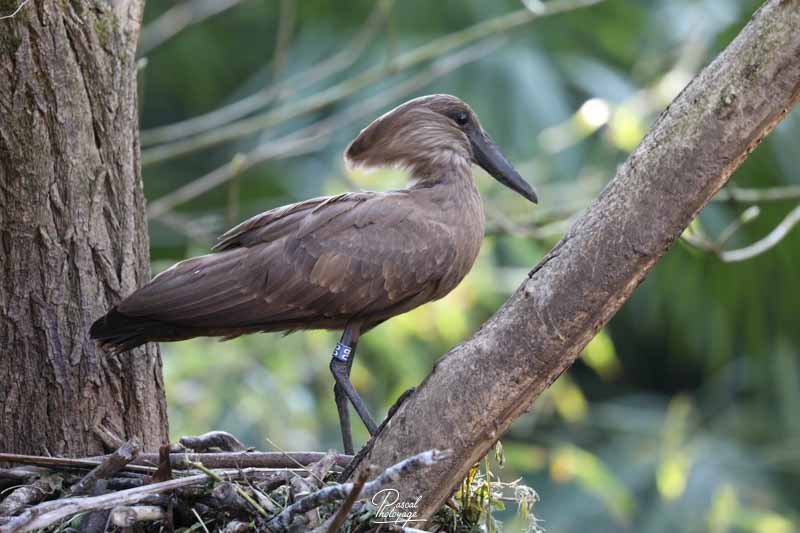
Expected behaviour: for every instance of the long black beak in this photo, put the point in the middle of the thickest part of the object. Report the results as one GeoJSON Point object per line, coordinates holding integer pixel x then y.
{"type": "Point", "coordinates": [489, 157]}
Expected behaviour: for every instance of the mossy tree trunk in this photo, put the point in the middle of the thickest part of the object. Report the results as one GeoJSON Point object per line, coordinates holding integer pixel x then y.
{"type": "Point", "coordinates": [73, 237]}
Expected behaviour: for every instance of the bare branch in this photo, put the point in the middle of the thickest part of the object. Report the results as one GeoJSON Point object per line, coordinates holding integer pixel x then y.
{"type": "Point", "coordinates": [243, 459]}
{"type": "Point", "coordinates": [64, 462]}
{"type": "Point", "coordinates": [107, 467]}
{"type": "Point", "coordinates": [14, 13]}
{"type": "Point", "coordinates": [765, 244]}
{"type": "Point", "coordinates": [128, 516]}
{"type": "Point", "coordinates": [185, 460]}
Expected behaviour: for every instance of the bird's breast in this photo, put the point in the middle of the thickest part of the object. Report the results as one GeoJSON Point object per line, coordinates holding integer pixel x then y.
{"type": "Point", "coordinates": [465, 219]}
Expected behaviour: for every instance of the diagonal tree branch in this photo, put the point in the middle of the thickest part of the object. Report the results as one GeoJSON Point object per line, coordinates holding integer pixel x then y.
{"type": "Point", "coordinates": [688, 155]}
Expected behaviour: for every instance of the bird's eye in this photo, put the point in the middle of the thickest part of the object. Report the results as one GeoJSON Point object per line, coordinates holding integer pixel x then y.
{"type": "Point", "coordinates": [461, 118]}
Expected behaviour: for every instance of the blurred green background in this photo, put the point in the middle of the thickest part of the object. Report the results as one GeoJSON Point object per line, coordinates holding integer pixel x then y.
{"type": "Point", "coordinates": [681, 416]}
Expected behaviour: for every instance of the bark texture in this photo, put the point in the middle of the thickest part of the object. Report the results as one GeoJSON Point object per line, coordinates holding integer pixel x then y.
{"type": "Point", "coordinates": [73, 238]}
{"type": "Point", "coordinates": [689, 154]}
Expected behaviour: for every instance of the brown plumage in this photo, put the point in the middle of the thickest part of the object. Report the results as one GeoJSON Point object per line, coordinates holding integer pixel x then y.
{"type": "Point", "coordinates": [346, 261]}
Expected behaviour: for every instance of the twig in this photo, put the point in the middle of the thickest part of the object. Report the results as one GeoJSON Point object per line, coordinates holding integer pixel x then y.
{"type": "Point", "coordinates": [314, 137]}
{"type": "Point", "coordinates": [288, 11]}
{"type": "Point", "coordinates": [243, 459]}
{"type": "Point", "coordinates": [307, 468]}
{"type": "Point", "coordinates": [213, 439]}
{"type": "Point", "coordinates": [434, 49]}
{"type": "Point", "coordinates": [702, 242]}
{"type": "Point", "coordinates": [340, 492]}
{"type": "Point", "coordinates": [754, 196]}
{"type": "Point", "coordinates": [65, 462]}
{"type": "Point", "coordinates": [127, 516]}
{"type": "Point", "coordinates": [224, 115]}
{"type": "Point", "coordinates": [196, 229]}
{"type": "Point", "coordinates": [200, 520]}
{"type": "Point", "coordinates": [164, 471]}
{"type": "Point", "coordinates": [747, 216]}
{"type": "Point", "coordinates": [332, 524]}
{"type": "Point", "coordinates": [504, 225]}
{"type": "Point", "coordinates": [177, 19]}
{"type": "Point", "coordinates": [213, 475]}
{"type": "Point", "coordinates": [768, 242]}
{"type": "Point", "coordinates": [14, 13]}
{"type": "Point", "coordinates": [107, 467]}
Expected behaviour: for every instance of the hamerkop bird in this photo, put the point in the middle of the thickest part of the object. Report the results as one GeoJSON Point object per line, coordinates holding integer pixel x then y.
{"type": "Point", "coordinates": [345, 262]}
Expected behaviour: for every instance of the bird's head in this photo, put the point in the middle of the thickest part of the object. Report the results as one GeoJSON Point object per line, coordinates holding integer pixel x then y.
{"type": "Point", "coordinates": [431, 136]}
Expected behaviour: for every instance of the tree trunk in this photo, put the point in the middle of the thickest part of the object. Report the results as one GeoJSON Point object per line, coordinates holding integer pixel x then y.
{"type": "Point", "coordinates": [73, 237]}
{"type": "Point", "coordinates": [481, 386]}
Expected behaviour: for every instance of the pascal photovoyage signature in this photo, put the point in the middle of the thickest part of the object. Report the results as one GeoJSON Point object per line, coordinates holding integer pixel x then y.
{"type": "Point", "coordinates": [390, 510]}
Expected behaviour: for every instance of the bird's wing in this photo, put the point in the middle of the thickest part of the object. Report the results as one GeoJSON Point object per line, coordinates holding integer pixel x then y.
{"type": "Point", "coordinates": [321, 260]}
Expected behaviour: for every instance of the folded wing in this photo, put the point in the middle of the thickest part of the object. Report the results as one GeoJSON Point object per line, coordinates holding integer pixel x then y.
{"type": "Point", "coordinates": [315, 264]}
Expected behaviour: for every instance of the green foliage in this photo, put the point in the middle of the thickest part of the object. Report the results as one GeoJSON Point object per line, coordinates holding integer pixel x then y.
{"type": "Point", "coordinates": [481, 496]}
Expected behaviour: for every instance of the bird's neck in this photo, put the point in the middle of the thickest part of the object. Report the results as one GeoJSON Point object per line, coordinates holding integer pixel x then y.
{"type": "Point", "coordinates": [443, 168]}
{"type": "Point", "coordinates": [452, 189]}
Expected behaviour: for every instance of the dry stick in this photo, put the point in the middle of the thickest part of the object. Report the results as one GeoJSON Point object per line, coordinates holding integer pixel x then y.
{"type": "Point", "coordinates": [316, 136]}
{"type": "Point", "coordinates": [213, 475]}
{"type": "Point", "coordinates": [127, 516]}
{"type": "Point", "coordinates": [107, 467]}
{"type": "Point", "coordinates": [339, 492]}
{"type": "Point", "coordinates": [243, 459]}
{"type": "Point", "coordinates": [65, 462]}
{"type": "Point", "coordinates": [332, 524]}
{"type": "Point", "coordinates": [690, 153]}
{"type": "Point", "coordinates": [224, 115]}
{"type": "Point", "coordinates": [434, 49]}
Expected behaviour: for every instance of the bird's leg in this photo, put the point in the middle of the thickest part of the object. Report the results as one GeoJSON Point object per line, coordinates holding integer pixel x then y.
{"type": "Point", "coordinates": [342, 406]}
{"type": "Point", "coordinates": [341, 362]}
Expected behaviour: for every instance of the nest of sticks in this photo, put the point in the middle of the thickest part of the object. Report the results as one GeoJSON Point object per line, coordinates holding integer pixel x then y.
{"type": "Point", "coordinates": [206, 483]}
